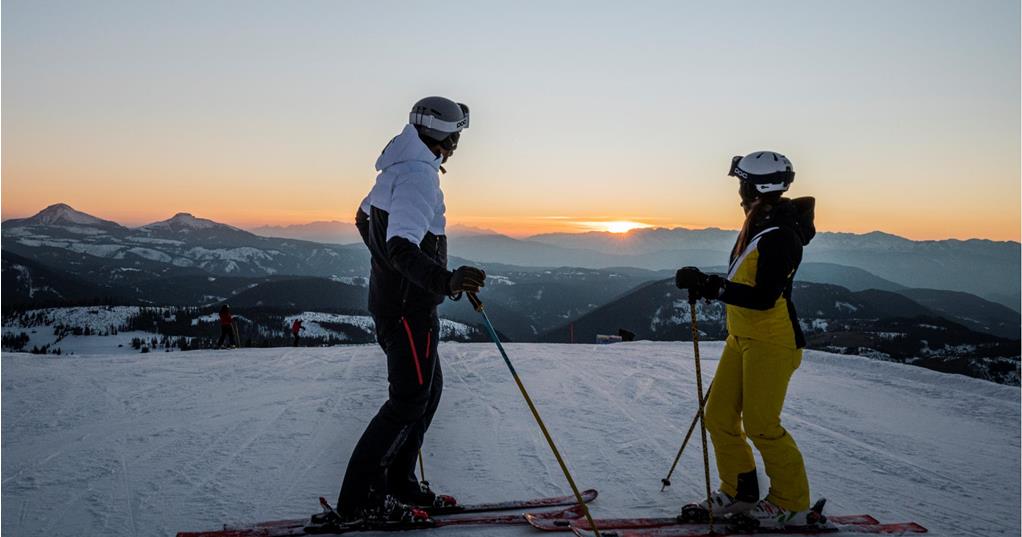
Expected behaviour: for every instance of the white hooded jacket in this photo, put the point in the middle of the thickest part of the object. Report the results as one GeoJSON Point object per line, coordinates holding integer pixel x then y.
{"type": "Point", "coordinates": [408, 188]}
{"type": "Point", "coordinates": [403, 221]}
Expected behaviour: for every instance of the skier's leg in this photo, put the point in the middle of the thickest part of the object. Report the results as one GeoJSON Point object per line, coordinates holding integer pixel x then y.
{"type": "Point", "coordinates": [768, 368]}
{"type": "Point", "coordinates": [401, 478]}
{"type": "Point", "coordinates": [223, 334]}
{"type": "Point", "coordinates": [401, 474]}
{"type": "Point", "coordinates": [386, 434]}
{"type": "Point", "coordinates": [423, 334]}
{"type": "Point", "coordinates": [723, 422]}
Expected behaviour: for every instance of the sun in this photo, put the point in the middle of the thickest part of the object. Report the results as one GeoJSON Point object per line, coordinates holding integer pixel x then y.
{"type": "Point", "coordinates": [622, 226]}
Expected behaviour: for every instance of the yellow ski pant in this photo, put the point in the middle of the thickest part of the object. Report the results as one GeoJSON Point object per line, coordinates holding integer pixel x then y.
{"type": "Point", "coordinates": [745, 401]}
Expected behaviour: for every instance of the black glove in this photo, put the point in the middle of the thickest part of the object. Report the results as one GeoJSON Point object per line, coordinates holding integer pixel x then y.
{"type": "Point", "coordinates": [468, 279]}
{"type": "Point", "coordinates": [711, 287]}
{"type": "Point", "coordinates": [689, 278]}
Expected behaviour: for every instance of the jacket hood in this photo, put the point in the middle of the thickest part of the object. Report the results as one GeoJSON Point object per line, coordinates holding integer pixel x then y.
{"type": "Point", "coordinates": [406, 147]}
{"type": "Point", "coordinates": [798, 214]}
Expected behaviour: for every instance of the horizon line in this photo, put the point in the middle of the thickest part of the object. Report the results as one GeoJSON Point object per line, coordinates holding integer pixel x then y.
{"type": "Point", "coordinates": [488, 231]}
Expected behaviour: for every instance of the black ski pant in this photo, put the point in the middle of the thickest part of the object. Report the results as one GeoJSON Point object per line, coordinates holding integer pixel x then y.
{"type": "Point", "coordinates": [384, 458]}
{"type": "Point", "coordinates": [226, 331]}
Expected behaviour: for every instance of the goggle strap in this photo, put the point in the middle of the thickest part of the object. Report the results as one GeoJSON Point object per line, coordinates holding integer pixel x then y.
{"type": "Point", "coordinates": [435, 123]}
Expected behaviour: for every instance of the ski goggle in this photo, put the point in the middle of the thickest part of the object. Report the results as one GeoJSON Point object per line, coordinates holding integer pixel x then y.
{"type": "Point", "coordinates": [735, 171]}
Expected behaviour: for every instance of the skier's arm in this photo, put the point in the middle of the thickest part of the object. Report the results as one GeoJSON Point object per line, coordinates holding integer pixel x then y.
{"type": "Point", "coordinates": [363, 224]}
{"type": "Point", "coordinates": [418, 267]}
{"type": "Point", "coordinates": [779, 255]}
{"type": "Point", "coordinates": [410, 215]}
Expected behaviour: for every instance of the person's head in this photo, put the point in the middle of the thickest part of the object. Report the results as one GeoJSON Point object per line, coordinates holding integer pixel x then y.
{"type": "Point", "coordinates": [439, 122]}
{"type": "Point", "coordinates": [762, 176]}
{"type": "Point", "coordinates": [225, 308]}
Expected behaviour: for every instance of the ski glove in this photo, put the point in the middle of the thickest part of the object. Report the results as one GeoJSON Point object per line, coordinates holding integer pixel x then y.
{"type": "Point", "coordinates": [469, 279]}
{"type": "Point", "coordinates": [707, 286]}
{"type": "Point", "coordinates": [712, 287]}
{"type": "Point", "coordinates": [689, 278]}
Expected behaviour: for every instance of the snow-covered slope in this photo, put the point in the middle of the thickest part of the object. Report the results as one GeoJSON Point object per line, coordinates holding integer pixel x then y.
{"type": "Point", "coordinates": [153, 444]}
{"type": "Point", "coordinates": [317, 324]}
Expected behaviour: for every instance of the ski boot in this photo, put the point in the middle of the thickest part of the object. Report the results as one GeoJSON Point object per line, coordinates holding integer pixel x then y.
{"type": "Point", "coordinates": [386, 514]}
{"type": "Point", "coordinates": [392, 511]}
{"type": "Point", "coordinates": [420, 495]}
{"type": "Point", "coordinates": [766, 515]}
{"type": "Point", "coordinates": [722, 504]}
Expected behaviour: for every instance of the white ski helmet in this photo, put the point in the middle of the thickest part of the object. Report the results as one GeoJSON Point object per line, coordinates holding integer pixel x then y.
{"type": "Point", "coordinates": [762, 172]}
{"type": "Point", "coordinates": [440, 119]}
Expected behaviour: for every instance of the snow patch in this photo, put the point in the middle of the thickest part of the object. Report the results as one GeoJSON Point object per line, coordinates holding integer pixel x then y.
{"type": "Point", "coordinates": [313, 322]}
{"type": "Point", "coordinates": [358, 281]}
{"type": "Point", "coordinates": [78, 230]}
{"type": "Point", "coordinates": [96, 250]}
{"type": "Point", "coordinates": [846, 306]}
{"type": "Point", "coordinates": [150, 254]}
{"type": "Point", "coordinates": [154, 240]}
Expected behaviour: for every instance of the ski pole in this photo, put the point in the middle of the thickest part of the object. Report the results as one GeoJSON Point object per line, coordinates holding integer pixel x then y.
{"type": "Point", "coordinates": [692, 299]}
{"type": "Point", "coordinates": [422, 469]}
{"type": "Point", "coordinates": [478, 305]}
{"type": "Point", "coordinates": [667, 480]}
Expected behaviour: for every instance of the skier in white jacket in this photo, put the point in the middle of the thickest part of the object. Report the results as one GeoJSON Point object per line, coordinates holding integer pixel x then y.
{"type": "Point", "coordinates": [403, 221]}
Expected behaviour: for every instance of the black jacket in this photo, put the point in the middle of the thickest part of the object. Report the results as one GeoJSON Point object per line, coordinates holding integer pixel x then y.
{"type": "Point", "coordinates": [406, 279]}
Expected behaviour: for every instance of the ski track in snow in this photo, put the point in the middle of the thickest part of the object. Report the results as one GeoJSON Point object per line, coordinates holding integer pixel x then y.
{"type": "Point", "coordinates": [151, 444]}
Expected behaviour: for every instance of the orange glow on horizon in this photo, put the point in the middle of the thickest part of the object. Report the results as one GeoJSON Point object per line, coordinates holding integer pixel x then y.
{"type": "Point", "coordinates": [614, 226]}
{"type": "Point", "coordinates": [523, 226]}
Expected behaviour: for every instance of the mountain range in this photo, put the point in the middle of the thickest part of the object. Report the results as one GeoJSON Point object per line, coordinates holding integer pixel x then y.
{"type": "Point", "coordinates": [982, 267]}
{"type": "Point", "coordinates": [183, 244]}
{"type": "Point", "coordinates": [62, 256]}
{"type": "Point", "coordinates": [977, 341]}
{"type": "Point", "coordinates": [985, 268]}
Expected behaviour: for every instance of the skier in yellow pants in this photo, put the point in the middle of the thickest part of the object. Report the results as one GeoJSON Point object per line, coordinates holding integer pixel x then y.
{"type": "Point", "coordinates": [763, 349]}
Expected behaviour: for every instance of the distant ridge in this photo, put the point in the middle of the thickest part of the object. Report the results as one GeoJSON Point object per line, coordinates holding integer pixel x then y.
{"type": "Point", "coordinates": [988, 269]}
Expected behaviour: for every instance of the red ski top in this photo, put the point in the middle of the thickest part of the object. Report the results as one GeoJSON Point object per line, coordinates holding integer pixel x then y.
{"type": "Point", "coordinates": [225, 318]}
{"type": "Point", "coordinates": [296, 326]}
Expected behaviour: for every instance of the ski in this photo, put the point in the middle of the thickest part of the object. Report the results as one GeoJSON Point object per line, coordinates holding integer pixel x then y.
{"type": "Point", "coordinates": [726, 530]}
{"type": "Point", "coordinates": [287, 528]}
{"type": "Point", "coordinates": [514, 505]}
{"type": "Point", "coordinates": [447, 516]}
{"type": "Point", "coordinates": [566, 524]}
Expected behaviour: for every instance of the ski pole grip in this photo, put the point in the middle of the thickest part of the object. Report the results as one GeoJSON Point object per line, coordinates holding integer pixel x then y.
{"type": "Point", "coordinates": [474, 300]}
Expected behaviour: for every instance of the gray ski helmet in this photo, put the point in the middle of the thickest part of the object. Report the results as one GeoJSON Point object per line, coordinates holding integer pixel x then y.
{"type": "Point", "coordinates": [762, 172]}
{"type": "Point", "coordinates": [438, 118]}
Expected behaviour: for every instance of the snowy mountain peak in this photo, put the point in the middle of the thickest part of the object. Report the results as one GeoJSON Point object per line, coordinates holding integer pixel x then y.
{"type": "Point", "coordinates": [185, 222]}
{"type": "Point", "coordinates": [61, 214]}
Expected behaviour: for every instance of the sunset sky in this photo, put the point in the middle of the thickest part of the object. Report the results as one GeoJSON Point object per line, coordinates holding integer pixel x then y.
{"type": "Point", "coordinates": [899, 116]}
